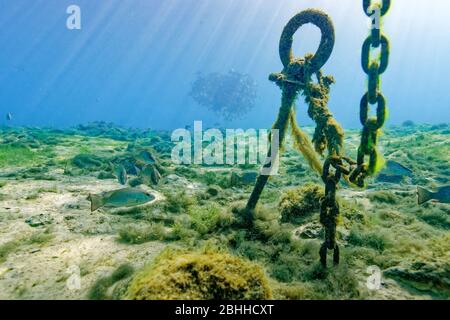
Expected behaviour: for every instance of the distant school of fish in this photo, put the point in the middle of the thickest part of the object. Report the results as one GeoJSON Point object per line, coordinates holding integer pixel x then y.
{"type": "Point", "coordinates": [128, 197]}
{"type": "Point", "coordinates": [149, 174]}
{"type": "Point", "coordinates": [393, 171]}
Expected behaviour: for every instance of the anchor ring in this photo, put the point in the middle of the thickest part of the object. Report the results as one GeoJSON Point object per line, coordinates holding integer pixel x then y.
{"type": "Point", "coordinates": [323, 22]}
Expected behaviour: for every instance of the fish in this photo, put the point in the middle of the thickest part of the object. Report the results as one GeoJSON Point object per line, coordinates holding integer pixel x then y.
{"type": "Point", "coordinates": [442, 195]}
{"type": "Point", "coordinates": [249, 177]}
{"type": "Point", "coordinates": [394, 172]}
{"type": "Point", "coordinates": [156, 176]}
{"type": "Point", "coordinates": [121, 174]}
{"type": "Point", "coordinates": [145, 157]}
{"type": "Point", "coordinates": [245, 178]}
{"type": "Point", "coordinates": [150, 175]}
{"type": "Point", "coordinates": [9, 116]}
{"type": "Point", "coordinates": [187, 127]}
{"type": "Point", "coordinates": [394, 168]}
{"type": "Point", "coordinates": [127, 197]}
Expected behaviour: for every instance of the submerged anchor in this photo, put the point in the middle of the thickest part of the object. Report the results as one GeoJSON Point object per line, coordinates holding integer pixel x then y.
{"type": "Point", "coordinates": [296, 78]}
{"type": "Point", "coordinates": [292, 80]}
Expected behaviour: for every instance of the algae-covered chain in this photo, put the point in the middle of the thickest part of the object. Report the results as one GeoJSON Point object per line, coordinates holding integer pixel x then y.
{"type": "Point", "coordinates": [295, 78]}
{"type": "Point", "coordinates": [292, 81]}
{"type": "Point", "coordinates": [372, 125]}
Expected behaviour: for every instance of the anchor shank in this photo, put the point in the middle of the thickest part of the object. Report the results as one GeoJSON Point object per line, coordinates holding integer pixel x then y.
{"type": "Point", "coordinates": [289, 95]}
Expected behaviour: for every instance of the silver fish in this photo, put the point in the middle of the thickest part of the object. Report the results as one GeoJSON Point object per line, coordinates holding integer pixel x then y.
{"type": "Point", "coordinates": [442, 195]}
{"type": "Point", "coordinates": [121, 175]}
{"type": "Point", "coordinates": [145, 157]}
{"type": "Point", "coordinates": [138, 171]}
{"type": "Point", "coordinates": [150, 175]}
{"type": "Point", "coordinates": [394, 168]}
{"type": "Point", "coordinates": [127, 197]}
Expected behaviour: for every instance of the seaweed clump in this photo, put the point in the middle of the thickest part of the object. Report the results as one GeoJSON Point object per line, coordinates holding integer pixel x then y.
{"type": "Point", "coordinates": [297, 203]}
{"type": "Point", "coordinates": [100, 289]}
{"type": "Point", "coordinates": [202, 275]}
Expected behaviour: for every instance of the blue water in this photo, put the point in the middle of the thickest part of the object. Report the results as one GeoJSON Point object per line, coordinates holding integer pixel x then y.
{"type": "Point", "coordinates": [133, 61]}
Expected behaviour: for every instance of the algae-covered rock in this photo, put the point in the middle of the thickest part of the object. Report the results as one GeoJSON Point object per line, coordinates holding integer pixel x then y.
{"type": "Point", "coordinates": [200, 275]}
{"type": "Point", "coordinates": [296, 203]}
{"type": "Point", "coordinates": [428, 271]}
{"type": "Point", "coordinates": [312, 230]}
{"type": "Point", "coordinates": [423, 276]}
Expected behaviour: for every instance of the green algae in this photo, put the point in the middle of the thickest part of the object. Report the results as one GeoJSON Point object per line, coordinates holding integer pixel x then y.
{"type": "Point", "coordinates": [412, 239]}
{"type": "Point", "coordinates": [17, 156]}
{"type": "Point", "coordinates": [297, 203]}
{"type": "Point", "coordinates": [99, 291]}
{"type": "Point", "coordinates": [198, 275]}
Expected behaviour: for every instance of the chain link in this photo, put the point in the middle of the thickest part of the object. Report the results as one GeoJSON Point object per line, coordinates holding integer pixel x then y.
{"type": "Point", "coordinates": [384, 55]}
{"type": "Point", "coordinates": [373, 69]}
{"type": "Point", "coordinates": [296, 78]}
